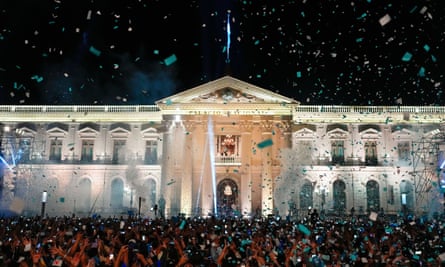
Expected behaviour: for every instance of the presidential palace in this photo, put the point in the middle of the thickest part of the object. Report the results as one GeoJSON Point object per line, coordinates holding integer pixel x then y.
{"type": "Point", "coordinates": [225, 148]}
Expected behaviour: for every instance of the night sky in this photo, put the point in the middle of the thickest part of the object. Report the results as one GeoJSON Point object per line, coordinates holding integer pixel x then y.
{"type": "Point", "coordinates": [330, 52]}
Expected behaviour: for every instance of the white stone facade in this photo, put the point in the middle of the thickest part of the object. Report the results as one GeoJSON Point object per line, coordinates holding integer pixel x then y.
{"type": "Point", "coordinates": [227, 148]}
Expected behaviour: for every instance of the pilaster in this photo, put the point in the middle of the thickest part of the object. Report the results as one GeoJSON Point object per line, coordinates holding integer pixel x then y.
{"type": "Point", "coordinates": [266, 170]}
{"type": "Point", "coordinates": [167, 166]}
{"type": "Point", "coordinates": [187, 168]}
{"type": "Point", "coordinates": [246, 170]}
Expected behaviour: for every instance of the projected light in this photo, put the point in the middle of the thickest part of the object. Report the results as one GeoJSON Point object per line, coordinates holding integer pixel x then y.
{"type": "Point", "coordinates": [177, 116]}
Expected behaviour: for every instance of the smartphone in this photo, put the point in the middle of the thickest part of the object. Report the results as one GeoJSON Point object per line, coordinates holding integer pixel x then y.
{"type": "Point", "coordinates": [149, 248]}
{"type": "Point", "coordinates": [111, 257]}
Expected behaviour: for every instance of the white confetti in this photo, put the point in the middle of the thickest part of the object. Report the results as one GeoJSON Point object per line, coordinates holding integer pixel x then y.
{"type": "Point", "coordinates": [384, 20]}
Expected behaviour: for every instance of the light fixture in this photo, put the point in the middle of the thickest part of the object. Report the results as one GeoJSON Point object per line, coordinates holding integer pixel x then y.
{"type": "Point", "coordinates": [228, 140]}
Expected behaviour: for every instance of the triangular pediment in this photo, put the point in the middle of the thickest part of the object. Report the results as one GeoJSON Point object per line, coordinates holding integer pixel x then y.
{"type": "Point", "coordinates": [370, 133]}
{"type": "Point", "coordinates": [338, 133]}
{"type": "Point", "coordinates": [88, 132]}
{"type": "Point", "coordinates": [56, 132]}
{"type": "Point", "coordinates": [226, 90]}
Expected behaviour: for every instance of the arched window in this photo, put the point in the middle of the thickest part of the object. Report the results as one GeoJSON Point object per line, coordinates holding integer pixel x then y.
{"type": "Point", "coordinates": [339, 195]}
{"type": "Point", "coordinates": [372, 196]}
{"type": "Point", "coordinates": [117, 194]}
{"type": "Point", "coordinates": [227, 197]}
{"type": "Point", "coordinates": [149, 192]}
{"type": "Point", "coordinates": [84, 196]}
{"type": "Point", "coordinates": [306, 199]}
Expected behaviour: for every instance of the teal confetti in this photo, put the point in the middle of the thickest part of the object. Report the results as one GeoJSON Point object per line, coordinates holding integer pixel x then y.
{"type": "Point", "coordinates": [421, 72]}
{"type": "Point", "coordinates": [37, 78]}
{"type": "Point", "coordinates": [302, 228]}
{"type": "Point", "coordinates": [426, 48]}
{"type": "Point", "coordinates": [95, 51]}
{"type": "Point", "coordinates": [298, 74]}
{"type": "Point", "coordinates": [170, 60]}
{"type": "Point", "coordinates": [265, 143]}
{"type": "Point", "coordinates": [407, 57]}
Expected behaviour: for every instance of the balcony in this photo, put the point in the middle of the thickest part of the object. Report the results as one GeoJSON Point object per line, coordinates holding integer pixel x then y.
{"type": "Point", "coordinates": [350, 161]}
{"type": "Point", "coordinates": [227, 160]}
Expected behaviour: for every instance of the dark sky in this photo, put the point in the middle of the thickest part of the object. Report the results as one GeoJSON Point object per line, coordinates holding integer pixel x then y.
{"type": "Point", "coordinates": [333, 52]}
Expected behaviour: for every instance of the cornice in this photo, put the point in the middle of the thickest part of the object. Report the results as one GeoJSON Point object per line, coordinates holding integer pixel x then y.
{"type": "Point", "coordinates": [151, 113]}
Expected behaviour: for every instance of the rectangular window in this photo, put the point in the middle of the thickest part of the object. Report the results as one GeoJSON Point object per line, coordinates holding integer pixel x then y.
{"type": "Point", "coordinates": [55, 150]}
{"type": "Point", "coordinates": [227, 145]}
{"type": "Point", "coordinates": [390, 194]}
{"type": "Point", "coordinates": [338, 151]}
{"type": "Point", "coordinates": [151, 152]}
{"type": "Point", "coordinates": [371, 152]}
{"type": "Point", "coordinates": [404, 150]}
{"type": "Point", "coordinates": [227, 148]}
{"type": "Point", "coordinates": [87, 150]}
{"type": "Point", "coordinates": [119, 151]}
{"type": "Point", "coordinates": [25, 149]}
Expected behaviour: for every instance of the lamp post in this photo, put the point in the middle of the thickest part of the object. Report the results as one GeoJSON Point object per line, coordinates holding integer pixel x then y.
{"type": "Point", "coordinates": [44, 199]}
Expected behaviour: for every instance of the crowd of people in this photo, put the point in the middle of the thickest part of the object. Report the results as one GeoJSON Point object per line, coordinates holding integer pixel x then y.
{"type": "Point", "coordinates": [214, 241]}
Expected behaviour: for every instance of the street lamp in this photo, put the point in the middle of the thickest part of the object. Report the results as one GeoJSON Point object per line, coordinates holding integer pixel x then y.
{"type": "Point", "coordinates": [44, 199]}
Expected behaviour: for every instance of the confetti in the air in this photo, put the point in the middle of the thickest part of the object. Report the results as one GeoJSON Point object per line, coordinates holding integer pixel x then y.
{"type": "Point", "coordinates": [316, 52]}
{"type": "Point", "coordinates": [170, 60]}
{"type": "Point", "coordinates": [95, 51]}
{"type": "Point", "coordinates": [407, 56]}
{"type": "Point", "coordinates": [384, 20]}
{"type": "Point", "coordinates": [265, 143]}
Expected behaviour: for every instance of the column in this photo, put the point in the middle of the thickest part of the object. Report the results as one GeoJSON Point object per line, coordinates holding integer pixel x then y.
{"type": "Point", "coordinates": [246, 174]}
{"type": "Point", "coordinates": [201, 176]}
{"type": "Point", "coordinates": [187, 169]}
{"type": "Point", "coordinates": [167, 167]}
{"type": "Point", "coordinates": [266, 171]}
{"type": "Point", "coordinates": [206, 187]}
{"type": "Point", "coordinates": [177, 153]}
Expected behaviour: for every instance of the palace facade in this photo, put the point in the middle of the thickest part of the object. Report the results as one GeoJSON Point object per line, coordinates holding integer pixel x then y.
{"type": "Point", "coordinates": [225, 148]}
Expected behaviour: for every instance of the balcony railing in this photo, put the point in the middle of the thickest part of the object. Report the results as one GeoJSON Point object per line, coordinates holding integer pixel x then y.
{"type": "Point", "coordinates": [370, 109]}
{"type": "Point", "coordinates": [84, 108]}
{"type": "Point", "coordinates": [228, 160]}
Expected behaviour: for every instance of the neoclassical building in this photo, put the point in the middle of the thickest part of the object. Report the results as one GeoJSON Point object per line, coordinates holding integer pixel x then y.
{"type": "Point", "coordinates": [226, 147]}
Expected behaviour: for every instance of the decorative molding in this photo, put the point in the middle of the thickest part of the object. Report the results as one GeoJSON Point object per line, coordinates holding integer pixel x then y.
{"type": "Point", "coordinates": [226, 95]}
{"type": "Point", "coordinates": [189, 125]}
{"type": "Point", "coordinates": [267, 124]}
